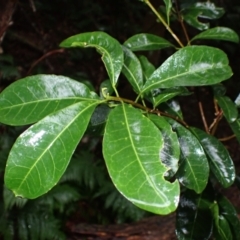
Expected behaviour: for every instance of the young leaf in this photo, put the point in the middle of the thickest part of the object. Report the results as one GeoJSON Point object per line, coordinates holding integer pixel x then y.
{"type": "Point", "coordinates": [168, 4]}
{"type": "Point", "coordinates": [110, 48]}
{"type": "Point", "coordinates": [146, 42]}
{"type": "Point", "coordinates": [131, 148]}
{"type": "Point", "coordinates": [230, 213]}
{"type": "Point", "coordinates": [194, 221]}
{"type": "Point", "coordinates": [191, 66]}
{"type": "Point", "coordinates": [220, 161]}
{"type": "Point", "coordinates": [222, 229]}
{"type": "Point", "coordinates": [193, 170]}
{"type": "Point", "coordinates": [230, 111]}
{"type": "Point", "coordinates": [32, 98]}
{"type": "Point", "coordinates": [170, 152]}
{"type": "Point", "coordinates": [132, 70]}
{"type": "Point", "coordinates": [41, 154]}
{"type": "Point", "coordinates": [218, 33]}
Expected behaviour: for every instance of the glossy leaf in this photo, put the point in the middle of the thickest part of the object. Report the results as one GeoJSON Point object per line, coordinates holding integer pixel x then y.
{"type": "Point", "coordinates": [193, 169]}
{"type": "Point", "coordinates": [132, 70]}
{"type": "Point", "coordinates": [172, 107]}
{"type": "Point", "coordinates": [220, 161]}
{"type": "Point", "coordinates": [230, 111]}
{"type": "Point", "coordinates": [230, 213]}
{"type": "Point", "coordinates": [235, 126]}
{"type": "Point", "coordinates": [108, 47]}
{"type": "Point", "coordinates": [41, 154]}
{"type": "Point", "coordinates": [32, 98]}
{"type": "Point", "coordinates": [160, 96]}
{"type": "Point", "coordinates": [170, 152]}
{"type": "Point", "coordinates": [192, 220]}
{"type": "Point", "coordinates": [237, 101]}
{"type": "Point", "coordinates": [191, 66]}
{"type": "Point", "coordinates": [206, 10]}
{"type": "Point", "coordinates": [98, 120]}
{"type": "Point", "coordinates": [146, 42]}
{"type": "Point", "coordinates": [147, 67]}
{"type": "Point", "coordinates": [223, 231]}
{"type": "Point", "coordinates": [218, 33]}
{"type": "Point", "coordinates": [131, 148]}
{"type": "Point", "coordinates": [168, 4]}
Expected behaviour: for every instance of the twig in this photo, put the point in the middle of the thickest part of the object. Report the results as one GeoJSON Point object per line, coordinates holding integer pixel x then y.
{"type": "Point", "coordinates": [43, 57]}
{"type": "Point", "coordinates": [227, 138]}
{"type": "Point", "coordinates": [32, 5]}
{"type": "Point", "coordinates": [119, 99]}
{"type": "Point", "coordinates": [163, 22]}
{"type": "Point", "coordinates": [214, 125]}
{"type": "Point", "coordinates": [203, 117]}
{"type": "Point", "coordinates": [181, 22]}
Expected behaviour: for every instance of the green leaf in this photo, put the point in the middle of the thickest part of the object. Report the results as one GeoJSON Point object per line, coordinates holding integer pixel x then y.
{"type": "Point", "coordinates": [172, 107]}
{"type": "Point", "coordinates": [235, 126]}
{"type": "Point", "coordinates": [147, 67]}
{"type": "Point", "coordinates": [230, 213]}
{"type": "Point", "coordinates": [219, 89]}
{"type": "Point", "coordinates": [132, 70]}
{"type": "Point", "coordinates": [237, 101]}
{"type": "Point", "coordinates": [223, 231]}
{"type": "Point", "coordinates": [108, 47]}
{"type": "Point", "coordinates": [220, 161]}
{"type": "Point", "coordinates": [229, 108]}
{"type": "Point", "coordinates": [131, 147]}
{"type": "Point", "coordinates": [41, 154]}
{"type": "Point", "coordinates": [170, 152]}
{"type": "Point", "coordinates": [168, 4]}
{"type": "Point", "coordinates": [32, 98]}
{"type": "Point", "coordinates": [193, 170]}
{"type": "Point", "coordinates": [206, 10]}
{"type": "Point", "coordinates": [193, 221]}
{"type": "Point", "coordinates": [160, 96]}
{"type": "Point", "coordinates": [191, 66]}
{"type": "Point", "coordinates": [146, 42]}
{"type": "Point", "coordinates": [218, 33]}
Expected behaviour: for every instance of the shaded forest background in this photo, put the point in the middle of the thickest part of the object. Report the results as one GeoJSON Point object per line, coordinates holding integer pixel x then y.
{"type": "Point", "coordinates": [30, 32]}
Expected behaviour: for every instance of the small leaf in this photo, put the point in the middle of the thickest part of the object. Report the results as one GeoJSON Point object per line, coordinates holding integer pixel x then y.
{"type": "Point", "coordinates": [168, 4]}
{"type": "Point", "coordinates": [237, 101]}
{"type": "Point", "coordinates": [170, 152]}
{"type": "Point", "coordinates": [146, 42]}
{"type": "Point", "coordinates": [220, 161]}
{"type": "Point", "coordinates": [230, 213]}
{"type": "Point", "coordinates": [230, 111]}
{"type": "Point", "coordinates": [131, 147]}
{"type": "Point", "coordinates": [172, 107]}
{"type": "Point", "coordinates": [108, 47]}
{"type": "Point", "coordinates": [223, 231]}
{"type": "Point", "coordinates": [32, 98]}
{"type": "Point", "coordinates": [132, 70]}
{"type": "Point", "coordinates": [191, 66]}
{"type": "Point", "coordinates": [218, 33]}
{"type": "Point", "coordinates": [147, 67]}
{"type": "Point", "coordinates": [206, 10]}
{"type": "Point", "coordinates": [106, 88]}
{"type": "Point", "coordinates": [193, 169]}
{"type": "Point", "coordinates": [193, 221]}
{"type": "Point", "coordinates": [41, 154]}
{"type": "Point", "coordinates": [160, 96]}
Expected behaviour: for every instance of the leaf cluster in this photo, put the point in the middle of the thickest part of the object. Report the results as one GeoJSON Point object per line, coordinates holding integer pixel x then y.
{"type": "Point", "coordinates": [152, 155]}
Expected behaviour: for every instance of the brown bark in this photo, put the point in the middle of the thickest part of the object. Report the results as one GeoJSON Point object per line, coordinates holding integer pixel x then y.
{"type": "Point", "coordinates": [152, 228]}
